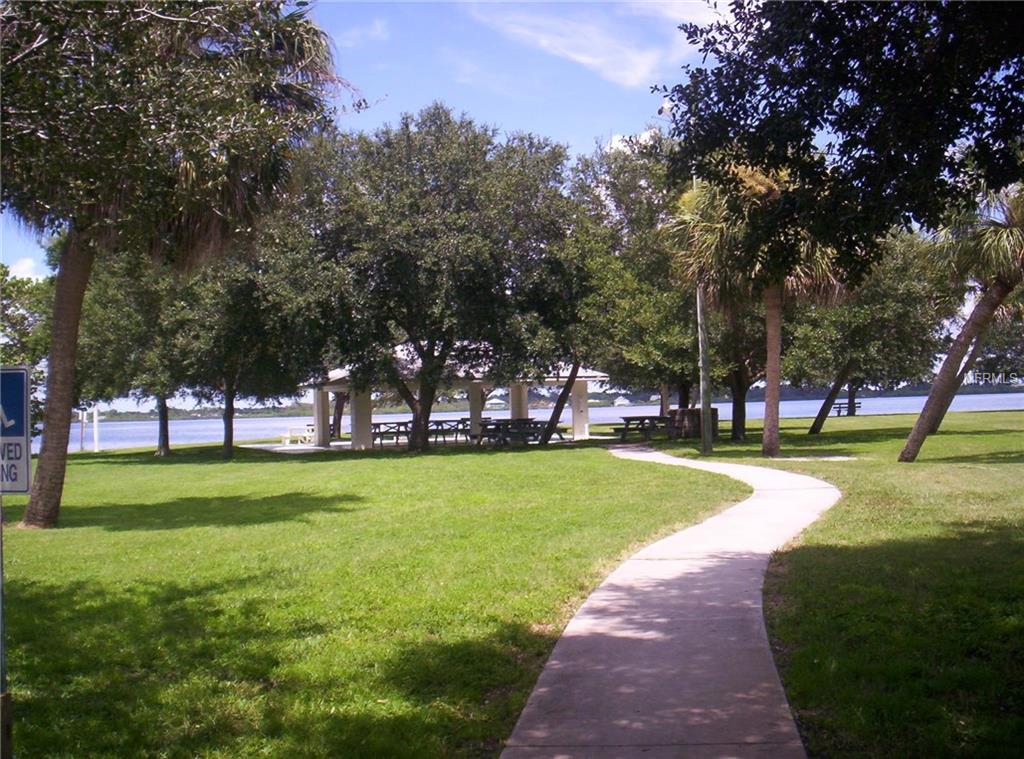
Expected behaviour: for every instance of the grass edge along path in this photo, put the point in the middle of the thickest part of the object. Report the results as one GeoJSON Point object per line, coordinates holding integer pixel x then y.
{"type": "Point", "coordinates": [897, 619]}
{"type": "Point", "coordinates": [381, 604]}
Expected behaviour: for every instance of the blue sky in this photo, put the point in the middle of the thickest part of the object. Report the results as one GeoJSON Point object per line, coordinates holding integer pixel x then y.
{"type": "Point", "coordinates": [579, 73]}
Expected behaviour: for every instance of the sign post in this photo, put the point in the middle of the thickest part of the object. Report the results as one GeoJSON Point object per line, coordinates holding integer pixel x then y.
{"type": "Point", "coordinates": [15, 477]}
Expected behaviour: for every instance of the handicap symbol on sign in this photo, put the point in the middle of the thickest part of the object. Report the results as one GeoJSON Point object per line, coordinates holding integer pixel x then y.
{"type": "Point", "coordinates": [13, 403]}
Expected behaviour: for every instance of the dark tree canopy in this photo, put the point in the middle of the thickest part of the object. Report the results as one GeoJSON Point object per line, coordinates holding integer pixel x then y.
{"type": "Point", "coordinates": [879, 113]}
{"type": "Point", "coordinates": [442, 228]}
{"type": "Point", "coordinates": [889, 330]}
{"type": "Point", "coordinates": [114, 113]}
{"type": "Point", "coordinates": [640, 317]}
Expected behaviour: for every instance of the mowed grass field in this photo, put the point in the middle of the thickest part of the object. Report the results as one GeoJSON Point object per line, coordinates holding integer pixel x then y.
{"type": "Point", "coordinates": [898, 618]}
{"type": "Point", "coordinates": [333, 605]}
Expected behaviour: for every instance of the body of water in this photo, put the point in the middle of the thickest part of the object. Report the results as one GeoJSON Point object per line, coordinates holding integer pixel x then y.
{"type": "Point", "coordinates": [187, 431]}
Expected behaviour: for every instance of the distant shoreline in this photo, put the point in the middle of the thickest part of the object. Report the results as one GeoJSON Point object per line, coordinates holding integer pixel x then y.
{"type": "Point", "coordinates": [636, 399]}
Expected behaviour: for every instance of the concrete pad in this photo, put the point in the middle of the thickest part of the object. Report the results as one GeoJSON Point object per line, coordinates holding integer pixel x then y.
{"type": "Point", "coordinates": [669, 657]}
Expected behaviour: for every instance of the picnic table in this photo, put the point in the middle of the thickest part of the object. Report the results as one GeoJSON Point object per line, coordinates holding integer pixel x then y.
{"type": "Point", "coordinates": [388, 431]}
{"type": "Point", "coordinates": [444, 427]}
{"type": "Point", "coordinates": [508, 431]}
{"type": "Point", "coordinates": [646, 425]}
{"type": "Point", "coordinates": [842, 407]}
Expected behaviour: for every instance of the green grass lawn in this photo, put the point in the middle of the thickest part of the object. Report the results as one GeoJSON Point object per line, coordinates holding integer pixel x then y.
{"type": "Point", "coordinates": [338, 605]}
{"type": "Point", "coordinates": [898, 618]}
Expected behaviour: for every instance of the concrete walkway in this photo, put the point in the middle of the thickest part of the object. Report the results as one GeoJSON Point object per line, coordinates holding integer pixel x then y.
{"type": "Point", "coordinates": [669, 656]}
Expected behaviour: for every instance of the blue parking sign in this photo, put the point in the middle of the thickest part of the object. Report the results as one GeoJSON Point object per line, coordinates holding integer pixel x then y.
{"type": "Point", "coordinates": [15, 431]}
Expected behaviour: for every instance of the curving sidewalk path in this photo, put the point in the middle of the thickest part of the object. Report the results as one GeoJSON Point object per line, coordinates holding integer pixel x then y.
{"type": "Point", "coordinates": [669, 656]}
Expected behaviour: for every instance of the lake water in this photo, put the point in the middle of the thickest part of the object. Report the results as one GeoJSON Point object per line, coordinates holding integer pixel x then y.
{"type": "Point", "coordinates": [143, 434]}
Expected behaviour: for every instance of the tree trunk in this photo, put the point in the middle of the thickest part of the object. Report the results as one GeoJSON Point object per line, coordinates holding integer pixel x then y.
{"type": "Point", "coordinates": [979, 344]}
{"type": "Point", "coordinates": [163, 437]}
{"type": "Point", "coordinates": [684, 394]}
{"type": "Point", "coordinates": [48, 484]}
{"type": "Point", "coordinates": [830, 399]}
{"type": "Point", "coordinates": [340, 399]}
{"type": "Point", "coordinates": [773, 368]}
{"type": "Point", "coordinates": [556, 412]}
{"type": "Point", "coordinates": [738, 387]}
{"type": "Point", "coordinates": [946, 381]}
{"type": "Point", "coordinates": [419, 434]}
{"type": "Point", "coordinates": [229, 423]}
{"type": "Point", "coordinates": [851, 397]}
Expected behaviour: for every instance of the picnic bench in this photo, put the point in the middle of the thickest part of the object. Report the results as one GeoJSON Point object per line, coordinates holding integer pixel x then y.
{"type": "Point", "coordinates": [301, 435]}
{"type": "Point", "coordinates": [842, 408]}
{"type": "Point", "coordinates": [381, 432]}
{"type": "Point", "coordinates": [305, 435]}
{"type": "Point", "coordinates": [646, 426]}
{"type": "Point", "coordinates": [442, 428]}
{"type": "Point", "coordinates": [508, 431]}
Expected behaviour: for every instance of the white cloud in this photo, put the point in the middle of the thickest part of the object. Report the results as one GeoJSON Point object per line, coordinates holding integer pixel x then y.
{"type": "Point", "coordinates": [468, 72]}
{"type": "Point", "coordinates": [627, 141]}
{"type": "Point", "coordinates": [27, 268]}
{"type": "Point", "coordinates": [677, 11]}
{"type": "Point", "coordinates": [376, 31]}
{"type": "Point", "coordinates": [593, 40]}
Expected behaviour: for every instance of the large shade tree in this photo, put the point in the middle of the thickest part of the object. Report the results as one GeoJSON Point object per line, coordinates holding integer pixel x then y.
{"type": "Point", "coordinates": [882, 114]}
{"type": "Point", "coordinates": [158, 126]}
{"type": "Point", "coordinates": [887, 332]}
{"type": "Point", "coordinates": [449, 222]}
{"type": "Point", "coordinates": [257, 324]}
{"type": "Point", "coordinates": [132, 315]}
{"type": "Point", "coordinates": [641, 322]}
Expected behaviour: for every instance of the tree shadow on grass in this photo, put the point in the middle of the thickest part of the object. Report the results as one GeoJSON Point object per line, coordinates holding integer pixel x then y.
{"type": "Point", "coordinates": [911, 647]}
{"type": "Point", "coordinates": [828, 443]}
{"type": "Point", "coordinates": [990, 457]}
{"type": "Point", "coordinates": [185, 669]}
{"type": "Point", "coordinates": [456, 698]}
{"type": "Point", "coordinates": [183, 513]}
{"type": "Point", "coordinates": [151, 669]}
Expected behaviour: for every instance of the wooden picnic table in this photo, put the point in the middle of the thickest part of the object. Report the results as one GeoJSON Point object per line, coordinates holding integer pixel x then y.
{"type": "Point", "coordinates": [646, 425]}
{"type": "Point", "coordinates": [507, 431]}
{"type": "Point", "coordinates": [381, 431]}
{"type": "Point", "coordinates": [444, 427]}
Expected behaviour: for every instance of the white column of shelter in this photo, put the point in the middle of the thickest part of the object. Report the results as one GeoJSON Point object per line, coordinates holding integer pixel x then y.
{"type": "Point", "coordinates": [321, 419]}
{"type": "Point", "coordinates": [476, 406]}
{"type": "Point", "coordinates": [519, 401]}
{"type": "Point", "coordinates": [580, 410]}
{"type": "Point", "coordinates": [362, 414]}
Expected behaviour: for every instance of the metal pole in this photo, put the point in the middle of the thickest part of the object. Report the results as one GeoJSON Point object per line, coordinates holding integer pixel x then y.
{"type": "Point", "coordinates": [95, 429]}
{"type": "Point", "coordinates": [6, 725]}
{"type": "Point", "coordinates": [81, 430]}
{"type": "Point", "coordinates": [706, 436]}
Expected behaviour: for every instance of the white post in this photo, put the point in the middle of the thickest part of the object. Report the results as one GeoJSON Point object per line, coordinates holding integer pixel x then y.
{"type": "Point", "coordinates": [665, 402]}
{"type": "Point", "coordinates": [476, 406]}
{"type": "Point", "coordinates": [81, 430]}
{"type": "Point", "coordinates": [519, 401]}
{"type": "Point", "coordinates": [361, 407]}
{"type": "Point", "coordinates": [321, 419]}
{"type": "Point", "coordinates": [95, 429]}
{"type": "Point", "coordinates": [580, 410]}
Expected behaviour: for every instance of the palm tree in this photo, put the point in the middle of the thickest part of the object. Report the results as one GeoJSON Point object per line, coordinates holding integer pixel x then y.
{"type": "Point", "coordinates": [710, 244]}
{"type": "Point", "coordinates": [174, 156]}
{"type": "Point", "coordinates": [987, 246]}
